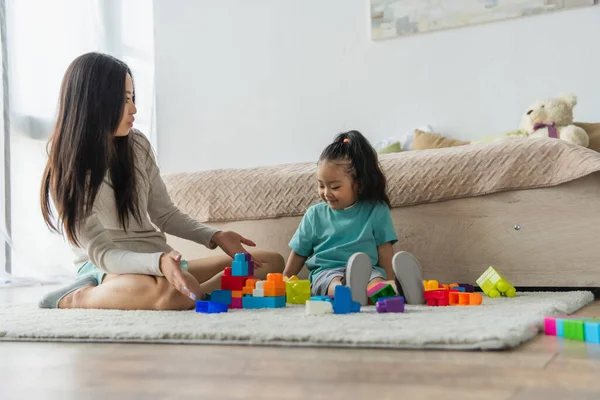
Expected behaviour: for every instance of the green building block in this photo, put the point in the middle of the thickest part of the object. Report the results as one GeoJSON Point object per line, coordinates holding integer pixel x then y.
{"type": "Point", "coordinates": [297, 291]}
{"type": "Point", "coordinates": [381, 290]}
{"type": "Point", "coordinates": [573, 329]}
{"type": "Point", "coordinates": [494, 285]}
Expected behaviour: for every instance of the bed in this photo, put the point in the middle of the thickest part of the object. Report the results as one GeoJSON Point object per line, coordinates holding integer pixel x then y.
{"type": "Point", "coordinates": [529, 207]}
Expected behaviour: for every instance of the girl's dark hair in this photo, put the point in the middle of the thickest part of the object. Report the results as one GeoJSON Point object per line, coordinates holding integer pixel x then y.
{"type": "Point", "coordinates": [83, 147]}
{"type": "Point", "coordinates": [362, 164]}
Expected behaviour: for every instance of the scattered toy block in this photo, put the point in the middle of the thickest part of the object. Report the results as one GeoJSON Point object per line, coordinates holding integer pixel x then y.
{"type": "Point", "coordinates": [342, 300]}
{"type": "Point", "coordinates": [249, 287]}
{"type": "Point", "coordinates": [379, 291]}
{"type": "Point", "coordinates": [251, 302]}
{"type": "Point", "coordinates": [457, 289]}
{"type": "Point", "coordinates": [457, 298]}
{"type": "Point", "coordinates": [437, 297]}
{"type": "Point", "coordinates": [573, 329]}
{"type": "Point", "coordinates": [355, 307]}
{"type": "Point", "coordinates": [236, 302]}
{"type": "Point", "coordinates": [297, 291]}
{"type": "Point", "coordinates": [291, 278]}
{"type": "Point", "coordinates": [431, 285]}
{"type": "Point", "coordinates": [322, 298]}
{"type": "Point", "coordinates": [494, 285]}
{"type": "Point", "coordinates": [592, 332]}
{"type": "Point", "coordinates": [318, 307]}
{"type": "Point", "coordinates": [221, 296]}
{"type": "Point", "coordinates": [452, 285]}
{"type": "Point", "coordinates": [468, 287]}
{"type": "Point", "coordinates": [444, 286]}
{"type": "Point", "coordinates": [550, 326]}
{"type": "Point", "coordinates": [239, 265]}
{"type": "Point", "coordinates": [390, 305]}
{"type": "Point", "coordinates": [210, 307]}
{"type": "Point", "coordinates": [236, 294]}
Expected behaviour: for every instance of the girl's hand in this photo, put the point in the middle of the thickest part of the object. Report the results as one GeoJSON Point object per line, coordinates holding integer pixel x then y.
{"type": "Point", "coordinates": [231, 243]}
{"type": "Point", "coordinates": [186, 284]}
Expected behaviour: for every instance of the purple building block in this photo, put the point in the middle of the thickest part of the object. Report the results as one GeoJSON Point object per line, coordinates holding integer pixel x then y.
{"type": "Point", "coordinates": [250, 264]}
{"type": "Point", "coordinates": [468, 288]}
{"type": "Point", "coordinates": [390, 305]}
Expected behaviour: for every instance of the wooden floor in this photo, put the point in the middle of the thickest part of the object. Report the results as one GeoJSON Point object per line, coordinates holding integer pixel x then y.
{"type": "Point", "coordinates": [545, 368]}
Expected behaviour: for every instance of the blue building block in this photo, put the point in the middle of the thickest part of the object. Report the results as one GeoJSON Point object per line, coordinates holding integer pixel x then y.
{"type": "Point", "coordinates": [458, 289]}
{"type": "Point", "coordinates": [210, 307]}
{"type": "Point", "coordinates": [322, 298]}
{"type": "Point", "coordinates": [221, 296]}
{"type": "Point", "coordinates": [355, 307]}
{"type": "Point", "coordinates": [251, 302]}
{"type": "Point", "coordinates": [592, 332]}
{"type": "Point", "coordinates": [342, 300]}
{"type": "Point", "coordinates": [239, 266]}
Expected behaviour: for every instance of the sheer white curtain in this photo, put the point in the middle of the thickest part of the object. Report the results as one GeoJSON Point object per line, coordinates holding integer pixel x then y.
{"type": "Point", "coordinates": [43, 38]}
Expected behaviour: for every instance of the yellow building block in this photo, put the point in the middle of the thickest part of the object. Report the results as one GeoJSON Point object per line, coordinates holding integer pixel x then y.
{"type": "Point", "coordinates": [431, 285]}
{"type": "Point", "coordinates": [494, 285]}
{"type": "Point", "coordinates": [297, 291]}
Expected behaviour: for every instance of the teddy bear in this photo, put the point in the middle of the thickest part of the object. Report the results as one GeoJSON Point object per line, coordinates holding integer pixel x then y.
{"type": "Point", "coordinates": [554, 118]}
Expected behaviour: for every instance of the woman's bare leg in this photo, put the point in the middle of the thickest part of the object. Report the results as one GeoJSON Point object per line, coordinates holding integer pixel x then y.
{"type": "Point", "coordinates": [129, 292]}
{"type": "Point", "coordinates": [208, 271]}
{"type": "Point", "coordinates": [145, 292]}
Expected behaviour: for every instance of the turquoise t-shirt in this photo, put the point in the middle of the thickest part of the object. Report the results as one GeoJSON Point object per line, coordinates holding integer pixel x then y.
{"type": "Point", "coordinates": [329, 237]}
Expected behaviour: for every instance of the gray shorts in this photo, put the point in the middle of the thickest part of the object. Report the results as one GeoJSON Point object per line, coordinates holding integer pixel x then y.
{"type": "Point", "coordinates": [321, 282]}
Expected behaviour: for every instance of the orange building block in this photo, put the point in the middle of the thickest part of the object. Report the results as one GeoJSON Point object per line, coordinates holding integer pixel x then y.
{"type": "Point", "coordinates": [274, 285]}
{"type": "Point", "coordinates": [236, 294]}
{"type": "Point", "coordinates": [465, 299]}
{"type": "Point", "coordinates": [250, 285]}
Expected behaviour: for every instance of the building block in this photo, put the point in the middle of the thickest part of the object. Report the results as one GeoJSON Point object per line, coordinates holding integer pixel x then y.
{"type": "Point", "coordinates": [468, 287]}
{"type": "Point", "coordinates": [457, 289]}
{"type": "Point", "coordinates": [263, 302]}
{"type": "Point", "coordinates": [355, 307]}
{"type": "Point", "coordinates": [259, 290]}
{"type": "Point", "coordinates": [274, 286]}
{"type": "Point", "coordinates": [297, 291]}
{"type": "Point", "coordinates": [236, 294]}
{"type": "Point", "coordinates": [574, 329]}
{"type": "Point", "coordinates": [444, 286]}
{"type": "Point", "coordinates": [457, 298]}
{"type": "Point", "coordinates": [233, 282]}
{"type": "Point", "coordinates": [249, 287]}
{"type": "Point", "coordinates": [291, 278]}
{"type": "Point", "coordinates": [431, 285]}
{"type": "Point", "coordinates": [210, 307]}
{"type": "Point", "coordinates": [322, 298]}
{"type": "Point", "coordinates": [452, 285]}
{"type": "Point", "coordinates": [390, 305]}
{"type": "Point", "coordinates": [380, 291]}
{"type": "Point", "coordinates": [592, 331]}
{"type": "Point", "coordinates": [342, 300]}
{"type": "Point", "coordinates": [221, 296]}
{"type": "Point", "coordinates": [550, 326]}
{"type": "Point", "coordinates": [239, 266]}
{"type": "Point", "coordinates": [250, 264]}
{"type": "Point", "coordinates": [318, 307]}
{"type": "Point", "coordinates": [437, 297]}
{"type": "Point", "coordinates": [236, 302]}
{"type": "Point", "coordinates": [494, 285]}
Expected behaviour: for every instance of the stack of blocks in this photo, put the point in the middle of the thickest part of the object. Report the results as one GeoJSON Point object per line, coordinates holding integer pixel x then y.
{"type": "Point", "coordinates": [572, 327]}
{"type": "Point", "coordinates": [239, 289]}
{"type": "Point", "coordinates": [341, 303]}
{"type": "Point", "coordinates": [454, 294]}
{"type": "Point", "coordinates": [494, 285]}
{"type": "Point", "coordinates": [385, 299]}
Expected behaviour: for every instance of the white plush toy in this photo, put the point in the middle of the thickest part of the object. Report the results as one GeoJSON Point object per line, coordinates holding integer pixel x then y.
{"type": "Point", "coordinates": [554, 118]}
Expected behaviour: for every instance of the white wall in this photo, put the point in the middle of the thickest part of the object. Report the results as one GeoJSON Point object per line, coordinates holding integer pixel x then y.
{"type": "Point", "coordinates": [244, 83]}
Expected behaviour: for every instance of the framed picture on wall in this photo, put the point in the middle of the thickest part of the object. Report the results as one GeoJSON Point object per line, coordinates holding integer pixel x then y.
{"type": "Point", "coordinates": [396, 18]}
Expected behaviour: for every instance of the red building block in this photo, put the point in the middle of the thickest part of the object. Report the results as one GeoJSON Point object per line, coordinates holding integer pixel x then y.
{"type": "Point", "coordinates": [437, 297]}
{"type": "Point", "coordinates": [233, 282]}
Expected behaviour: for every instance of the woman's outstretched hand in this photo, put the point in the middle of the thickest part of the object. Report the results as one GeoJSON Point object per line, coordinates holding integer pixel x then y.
{"type": "Point", "coordinates": [186, 284]}
{"type": "Point", "coordinates": [231, 243]}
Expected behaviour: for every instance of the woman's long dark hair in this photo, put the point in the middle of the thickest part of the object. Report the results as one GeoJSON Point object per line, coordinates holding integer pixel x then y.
{"type": "Point", "coordinates": [83, 146]}
{"type": "Point", "coordinates": [362, 163]}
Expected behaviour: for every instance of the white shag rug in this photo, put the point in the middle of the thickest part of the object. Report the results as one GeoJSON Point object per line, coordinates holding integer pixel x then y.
{"type": "Point", "coordinates": [496, 324]}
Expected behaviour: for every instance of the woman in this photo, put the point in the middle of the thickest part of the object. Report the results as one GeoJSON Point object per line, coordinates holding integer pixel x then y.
{"type": "Point", "coordinates": [103, 181]}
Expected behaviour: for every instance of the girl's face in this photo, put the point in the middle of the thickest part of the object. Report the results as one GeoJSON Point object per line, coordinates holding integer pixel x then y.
{"type": "Point", "coordinates": [336, 186]}
{"type": "Point", "coordinates": [129, 109]}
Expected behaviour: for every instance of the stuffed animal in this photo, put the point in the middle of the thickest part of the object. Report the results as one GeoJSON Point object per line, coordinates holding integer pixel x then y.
{"type": "Point", "coordinates": [554, 118]}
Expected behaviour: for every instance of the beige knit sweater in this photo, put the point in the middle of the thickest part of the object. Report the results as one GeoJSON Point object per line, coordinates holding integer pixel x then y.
{"type": "Point", "coordinates": [137, 250]}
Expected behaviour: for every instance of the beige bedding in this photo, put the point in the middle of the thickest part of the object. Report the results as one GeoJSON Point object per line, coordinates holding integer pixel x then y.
{"type": "Point", "coordinates": [417, 177]}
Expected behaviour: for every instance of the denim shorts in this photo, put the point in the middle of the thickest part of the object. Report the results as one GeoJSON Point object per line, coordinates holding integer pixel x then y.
{"type": "Point", "coordinates": [321, 281]}
{"type": "Point", "coordinates": [89, 269]}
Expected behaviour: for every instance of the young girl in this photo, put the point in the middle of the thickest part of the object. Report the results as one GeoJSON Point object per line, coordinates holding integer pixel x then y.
{"type": "Point", "coordinates": [347, 238]}
{"type": "Point", "coordinates": [103, 181]}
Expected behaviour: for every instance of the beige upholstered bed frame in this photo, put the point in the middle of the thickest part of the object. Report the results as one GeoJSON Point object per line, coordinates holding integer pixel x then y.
{"type": "Point", "coordinates": [534, 237]}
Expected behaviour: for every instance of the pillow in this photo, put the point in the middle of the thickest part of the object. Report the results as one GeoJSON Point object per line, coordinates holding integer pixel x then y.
{"type": "Point", "coordinates": [424, 141]}
{"type": "Point", "coordinates": [392, 148]}
{"type": "Point", "coordinates": [593, 131]}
